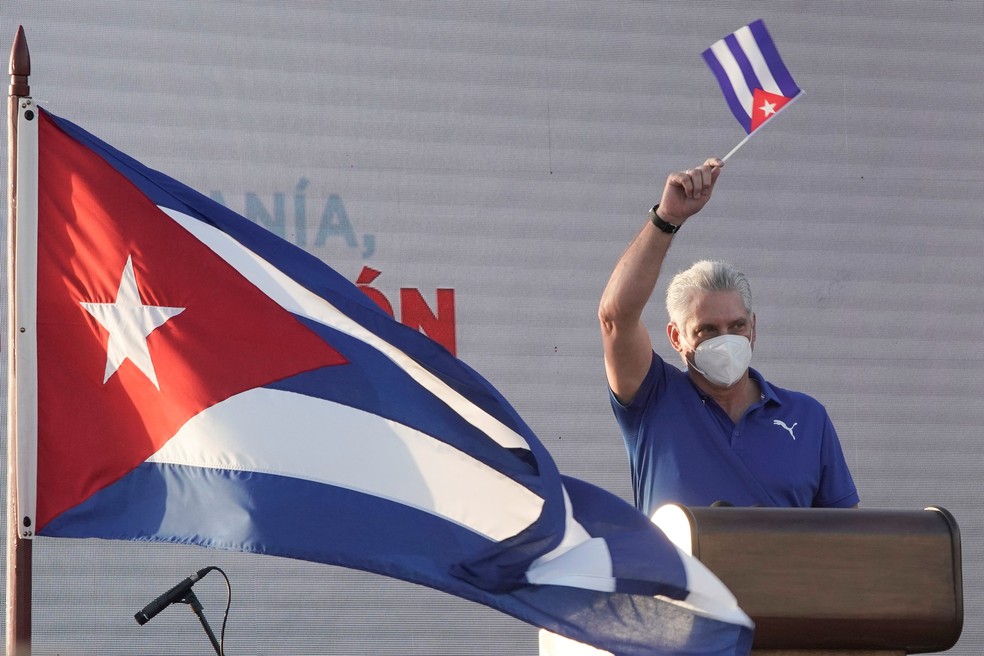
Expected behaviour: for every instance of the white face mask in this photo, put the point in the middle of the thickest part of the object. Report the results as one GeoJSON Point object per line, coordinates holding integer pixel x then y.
{"type": "Point", "coordinates": [724, 359]}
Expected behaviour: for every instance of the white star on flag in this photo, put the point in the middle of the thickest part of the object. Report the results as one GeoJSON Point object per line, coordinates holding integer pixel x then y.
{"type": "Point", "coordinates": [128, 322]}
{"type": "Point", "coordinates": [768, 108]}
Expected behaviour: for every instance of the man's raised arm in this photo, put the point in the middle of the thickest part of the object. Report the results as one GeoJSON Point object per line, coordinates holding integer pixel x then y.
{"type": "Point", "coordinates": [627, 344]}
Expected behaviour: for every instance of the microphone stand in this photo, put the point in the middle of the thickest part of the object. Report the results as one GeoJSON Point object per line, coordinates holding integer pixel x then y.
{"type": "Point", "coordinates": [192, 600]}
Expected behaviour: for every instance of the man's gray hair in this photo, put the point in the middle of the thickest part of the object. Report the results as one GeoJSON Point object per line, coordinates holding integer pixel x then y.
{"type": "Point", "coordinates": [704, 276]}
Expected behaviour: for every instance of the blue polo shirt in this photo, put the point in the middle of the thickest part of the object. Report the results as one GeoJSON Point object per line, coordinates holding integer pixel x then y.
{"type": "Point", "coordinates": [683, 448]}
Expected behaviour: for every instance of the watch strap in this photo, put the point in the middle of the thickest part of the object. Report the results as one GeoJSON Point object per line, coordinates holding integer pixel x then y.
{"type": "Point", "coordinates": [668, 228]}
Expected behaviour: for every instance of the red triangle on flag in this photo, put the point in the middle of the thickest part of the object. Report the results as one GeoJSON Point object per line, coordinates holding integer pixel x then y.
{"type": "Point", "coordinates": [228, 337]}
{"type": "Point", "coordinates": [765, 105]}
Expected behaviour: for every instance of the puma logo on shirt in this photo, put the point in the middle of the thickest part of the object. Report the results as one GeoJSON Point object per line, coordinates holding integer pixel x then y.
{"type": "Point", "coordinates": [789, 429]}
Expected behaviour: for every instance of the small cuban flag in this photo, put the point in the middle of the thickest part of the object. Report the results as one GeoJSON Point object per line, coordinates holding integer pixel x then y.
{"type": "Point", "coordinates": [755, 81]}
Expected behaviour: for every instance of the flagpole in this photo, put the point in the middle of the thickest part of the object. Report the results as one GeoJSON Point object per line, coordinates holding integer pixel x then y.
{"type": "Point", "coordinates": [749, 135]}
{"type": "Point", "coordinates": [18, 610]}
{"type": "Point", "coordinates": [740, 144]}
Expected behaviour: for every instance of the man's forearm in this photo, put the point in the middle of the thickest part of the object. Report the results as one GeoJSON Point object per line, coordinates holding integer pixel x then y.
{"type": "Point", "coordinates": [634, 279]}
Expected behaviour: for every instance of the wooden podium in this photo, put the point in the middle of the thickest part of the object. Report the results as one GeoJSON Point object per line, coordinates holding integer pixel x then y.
{"type": "Point", "coordinates": [822, 582]}
{"type": "Point", "coordinates": [841, 582]}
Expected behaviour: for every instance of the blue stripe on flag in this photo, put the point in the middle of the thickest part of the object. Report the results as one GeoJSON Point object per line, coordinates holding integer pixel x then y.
{"type": "Point", "coordinates": [273, 515]}
{"type": "Point", "coordinates": [747, 71]}
{"type": "Point", "coordinates": [368, 385]}
{"type": "Point", "coordinates": [770, 53]}
{"type": "Point", "coordinates": [737, 108]}
{"type": "Point", "coordinates": [205, 507]}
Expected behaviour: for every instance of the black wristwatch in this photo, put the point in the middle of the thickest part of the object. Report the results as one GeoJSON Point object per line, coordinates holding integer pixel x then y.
{"type": "Point", "coordinates": [668, 228]}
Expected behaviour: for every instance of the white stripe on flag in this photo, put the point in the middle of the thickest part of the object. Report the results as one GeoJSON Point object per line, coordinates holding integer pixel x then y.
{"type": "Point", "coordinates": [588, 566]}
{"type": "Point", "coordinates": [282, 289]}
{"type": "Point", "coordinates": [750, 46]}
{"type": "Point", "coordinates": [579, 561]}
{"type": "Point", "coordinates": [735, 77]}
{"type": "Point", "coordinates": [708, 596]}
{"type": "Point", "coordinates": [289, 434]}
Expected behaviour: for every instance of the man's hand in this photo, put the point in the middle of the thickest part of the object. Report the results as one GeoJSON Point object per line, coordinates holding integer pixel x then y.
{"type": "Point", "coordinates": [686, 192]}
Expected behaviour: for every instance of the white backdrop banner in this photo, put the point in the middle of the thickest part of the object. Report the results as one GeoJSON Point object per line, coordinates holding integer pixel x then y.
{"type": "Point", "coordinates": [478, 168]}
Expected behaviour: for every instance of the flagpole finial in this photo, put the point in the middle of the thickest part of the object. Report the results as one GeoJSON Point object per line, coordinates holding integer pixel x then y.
{"type": "Point", "coordinates": [20, 65]}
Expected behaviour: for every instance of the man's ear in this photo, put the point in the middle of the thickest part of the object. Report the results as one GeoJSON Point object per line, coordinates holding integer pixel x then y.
{"type": "Point", "coordinates": [673, 334]}
{"type": "Point", "coordinates": [752, 340]}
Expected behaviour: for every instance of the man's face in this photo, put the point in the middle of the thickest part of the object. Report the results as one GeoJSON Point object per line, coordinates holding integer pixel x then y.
{"type": "Point", "coordinates": [712, 314]}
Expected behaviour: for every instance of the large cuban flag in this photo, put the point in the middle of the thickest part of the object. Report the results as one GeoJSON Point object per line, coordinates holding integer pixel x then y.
{"type": "Point", "coordinates": [196, 380]}
{"type": "Point", "coordinates": [755, 81]}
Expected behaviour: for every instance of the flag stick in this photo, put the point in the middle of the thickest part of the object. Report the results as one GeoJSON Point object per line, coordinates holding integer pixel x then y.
{"type": "Point", "coordinates": [740, 144]}
{"type": "Point", "coordinates": [18, 610]}
{"type": "Point", "coordinates": [750, 134]}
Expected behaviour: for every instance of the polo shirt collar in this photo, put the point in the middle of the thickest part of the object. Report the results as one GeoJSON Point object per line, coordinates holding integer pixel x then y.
{"type": "Point", "coordinates": [768, 394]}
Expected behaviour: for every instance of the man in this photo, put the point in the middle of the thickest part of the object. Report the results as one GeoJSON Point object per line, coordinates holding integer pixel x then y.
{"type": "Point", "coordinates": [716, 432]}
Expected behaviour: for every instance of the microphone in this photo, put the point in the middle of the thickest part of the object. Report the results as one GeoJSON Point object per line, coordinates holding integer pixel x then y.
{"type": "Point", "coordinates": [175, 594]}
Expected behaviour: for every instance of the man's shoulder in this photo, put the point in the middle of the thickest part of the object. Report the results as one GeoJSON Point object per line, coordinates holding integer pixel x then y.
{"type": "Point", "coordinates": [671, 370]}
{"type": "Point", "coordinates": [785, 396]}
{"type": "Point", "coordinates": [661, 377]}
{"type": "Point", "coordinates": [782, 400]}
